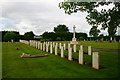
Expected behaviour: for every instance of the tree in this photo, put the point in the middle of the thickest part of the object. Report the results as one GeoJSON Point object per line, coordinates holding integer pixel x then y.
{"type": "Point", "coordinates": [63, 36]}
{"type": "Point", "coordinates": [11, 36]}
{"type": "Point", "coordinates": [58, 39]}
{"type": "Point", "coordinates": [107, 18]}
{"type": "Point", "coordinates": [94, 31]}
{"type": "Point", "coordinates": [29, 35]}
{"type": "Point", "coordinates": [61, 28]}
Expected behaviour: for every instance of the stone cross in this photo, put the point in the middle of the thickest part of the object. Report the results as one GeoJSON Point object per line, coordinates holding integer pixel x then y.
{"type": "Point", "coordinates": [74, 31]}
{"type": "Point", "coordinates": [95, 60]}
{"type": "Point", "coordinates": [74, 39]}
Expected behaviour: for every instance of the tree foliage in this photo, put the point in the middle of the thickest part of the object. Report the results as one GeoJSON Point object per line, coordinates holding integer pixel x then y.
{"type": "Point", "coordinates": [61, 28]}
{"type": "Point", "coordinates": [63, 36]}
{"type": "Point", "coordinates": [11, 36]}
{"type": "Point", "coordinates": [94, 31]}
{"type": "Point", "coordinates": [109, 19]}
{"type": "Point", "coordinates": [29, 35]}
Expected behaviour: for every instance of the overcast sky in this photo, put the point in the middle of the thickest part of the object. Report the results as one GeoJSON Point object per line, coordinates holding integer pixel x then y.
{"type": "Point", "coordinates": [40, 16]}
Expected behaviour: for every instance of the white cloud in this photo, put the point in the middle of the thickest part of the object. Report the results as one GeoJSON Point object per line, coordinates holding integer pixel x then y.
{"type": "Point", "coordinates": [39, 16]}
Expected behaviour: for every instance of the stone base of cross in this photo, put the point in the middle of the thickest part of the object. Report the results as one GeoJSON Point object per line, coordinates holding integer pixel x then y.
{"type": "Point", "coordinates": [73, 41]}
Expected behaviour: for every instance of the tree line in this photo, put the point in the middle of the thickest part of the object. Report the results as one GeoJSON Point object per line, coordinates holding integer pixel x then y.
{"type": "Point", "coordinates": [60, 33]}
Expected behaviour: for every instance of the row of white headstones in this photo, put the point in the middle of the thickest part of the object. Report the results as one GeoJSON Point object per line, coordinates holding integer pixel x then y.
{"type": "Point", "coordinates": [46, 46]}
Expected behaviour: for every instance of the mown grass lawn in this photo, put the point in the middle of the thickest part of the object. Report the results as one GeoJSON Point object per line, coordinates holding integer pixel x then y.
{"type": "Point", "coordinates": [103, 45]}
{"type": "Point", "coordinates": [53, 66]}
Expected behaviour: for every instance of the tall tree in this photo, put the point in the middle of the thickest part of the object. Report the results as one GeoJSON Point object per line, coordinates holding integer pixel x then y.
{"type": "Point", "coordinates": [94, 31]}
{"type": "Point", "coordinates": [29, 35]}
{"type": "Point", "coordinates": [107, 18]}
{"type": "Point", "coordinates": [61, 28]}
{"type": "Point", "coordinates": [10, 35]}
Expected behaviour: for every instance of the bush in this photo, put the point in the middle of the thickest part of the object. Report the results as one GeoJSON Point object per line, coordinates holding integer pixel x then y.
{"type": "Point", "coordinates": [58, 39]}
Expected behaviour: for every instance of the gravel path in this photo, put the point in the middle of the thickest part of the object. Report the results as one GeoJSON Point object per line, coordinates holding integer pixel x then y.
{"type": "Point", "coordinates": [100, 49]}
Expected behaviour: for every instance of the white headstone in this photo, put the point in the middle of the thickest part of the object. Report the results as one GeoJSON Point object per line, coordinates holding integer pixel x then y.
{"type": "Point", "coordinates": [114, 39]}
{"type": "Point", "coordinates": [68, 46]}
{"type": "Point", "coordinates": [39, 45]}
{"type": "Point", "coordinates": [48, 43]}
{"type": "Point", "coordinates": [81, 55]}
{"type": "Point", "coordinates": [59, 45]}
{"type": "Point", "coordinates": [12, 40]}
{"type": "Point", "coordinates": [70, 54]}
{"type": "Point", "coordinates": [89, 50]}
{"type": "Point", "coordinates": [56, 44]}
{"type": "Point", "coordinates": [74, 48]}
{"type": "Point", "coordinates": [51, 51]}
{"type": "Point", "coordinates": [53, 44]}
{"type": "Point", "coordinates": [56, 49]}
{"type": "Point", "coordinates": [36, 44]}
{"type": "Point", "coordinates": [64, 46]}
{"type": "Point", "coordinates": [95, 60]}
{"type": "Point", "coordinates": [43, 46]}
{"type": "Point", "coordinates": [46, 47]}
{"type": "Point", "coordinates": [62, 51]}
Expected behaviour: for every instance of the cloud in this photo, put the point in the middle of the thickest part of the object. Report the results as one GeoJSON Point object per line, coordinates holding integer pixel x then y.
{"type": "Point", "coordinates": [39, 16]}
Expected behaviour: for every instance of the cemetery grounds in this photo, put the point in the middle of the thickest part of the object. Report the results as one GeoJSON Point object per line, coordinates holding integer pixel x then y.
{"type": "Point", "coordinates": [53, 66]}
